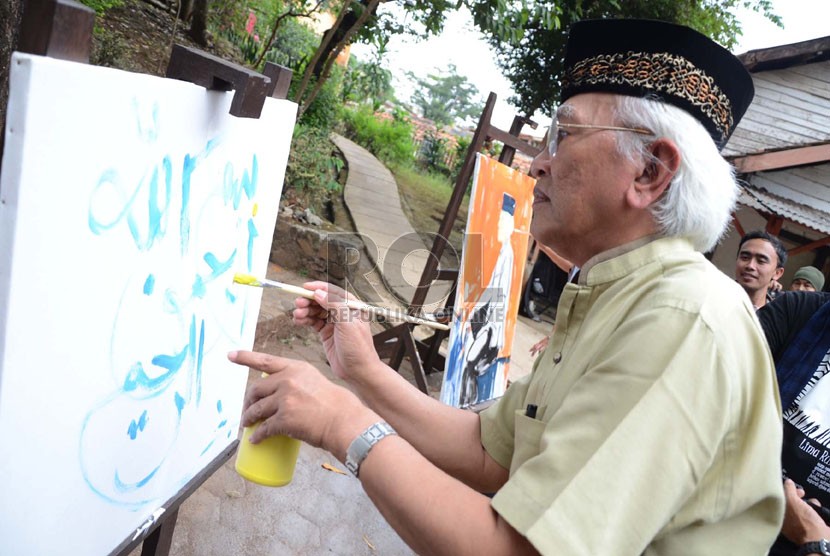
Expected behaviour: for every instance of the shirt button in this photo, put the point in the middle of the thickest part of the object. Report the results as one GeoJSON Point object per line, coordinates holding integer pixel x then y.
{"type": "Point", "coordinates": [557, 357]}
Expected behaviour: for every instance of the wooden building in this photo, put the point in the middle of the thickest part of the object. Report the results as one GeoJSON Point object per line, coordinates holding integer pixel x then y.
{"type": "Point", "coordinates": [781, 149]}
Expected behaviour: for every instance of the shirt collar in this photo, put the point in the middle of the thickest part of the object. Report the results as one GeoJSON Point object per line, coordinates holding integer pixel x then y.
{"type": "Point", "coordinates": [622, 260]}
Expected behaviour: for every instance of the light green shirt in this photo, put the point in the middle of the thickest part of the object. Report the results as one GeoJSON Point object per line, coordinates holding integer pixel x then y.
{"type": "Point", "coordinates": [658, 429]}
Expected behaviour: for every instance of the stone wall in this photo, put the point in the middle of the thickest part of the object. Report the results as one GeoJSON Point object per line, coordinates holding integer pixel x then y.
{"type": "Point", "coordinates": [322, 253]}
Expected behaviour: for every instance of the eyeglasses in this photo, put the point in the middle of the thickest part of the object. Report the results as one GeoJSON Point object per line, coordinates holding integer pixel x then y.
{"type": "Point", "coordinates": [557, 133]}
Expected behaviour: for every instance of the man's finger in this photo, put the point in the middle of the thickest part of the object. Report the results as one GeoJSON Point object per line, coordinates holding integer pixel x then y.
{"type": "Point", "coordinates": [329, 296]}
{"type": "Point", "coordinates": [257, 391]}
{"type": "Point", "coordinates": [260, 361]}
{"type": "Point", "coordinates": [328, 300]}
{"type": "Point", "coordinates": [259, 409]}
{"type": "Point", "coordinates": [789, 489]}
{"type": "Point", "coordinates": [334, 291]}
{"type": "Point", "coordinates": [269, 427]}
{"type": "Point", "coordinates": [308, 309]}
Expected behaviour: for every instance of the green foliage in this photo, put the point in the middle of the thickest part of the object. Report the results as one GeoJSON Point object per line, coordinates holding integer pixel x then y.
{"type": "Point", "coordinates": [445, 97]}
{"type": "Point", "coordinates": [230, 13]}
{"type": "Point", "coordinates": [533, 64]}
{"type": "Point", "coordinates": [312, 164]}
{"type": "Point", "coordinates": [108, 49]}
{"type": "Point", "coordinates": [439, 155]}
{"type": "Point", "coordinates": [389, 140]}
{"type": "Point", "coordinates": [427, 183]}
{"type": "Point", "coordinates": [504, 19]}
{"type": "Point", "coordinates": [368, 81]}
{"type": "Point", "coordinates": [100, 6]}
{"type": "Point", "coordinates": [434, 150]}
{"type": "Point", "coordinates": [294, 44]}
{"type": "Point", "coordinates": [323, 112]}
{"type": "Point", "coordinates": [425, 196]}
{"type": "Point", "coordinates": [244, 33]}
{"type": "Point", "coordinates": [461, 146]}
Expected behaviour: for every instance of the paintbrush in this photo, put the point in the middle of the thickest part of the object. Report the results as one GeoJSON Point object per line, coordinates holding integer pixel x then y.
{"type": "Point", "coordinates": [249, 280]}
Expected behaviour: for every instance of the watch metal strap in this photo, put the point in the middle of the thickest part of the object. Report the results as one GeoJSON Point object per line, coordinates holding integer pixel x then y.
{"type": "Point", "coordinates": [815, 547]}
{"type": "Point", "coordinates": [360, 446]}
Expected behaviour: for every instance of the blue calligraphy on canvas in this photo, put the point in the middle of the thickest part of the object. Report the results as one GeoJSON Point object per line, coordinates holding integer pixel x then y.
{"type": "Point", "coordinates": [126, 210]}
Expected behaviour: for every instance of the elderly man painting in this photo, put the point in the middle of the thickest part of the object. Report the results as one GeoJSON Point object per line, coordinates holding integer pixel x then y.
{"type": "Point", "coordinates": [651, 424]}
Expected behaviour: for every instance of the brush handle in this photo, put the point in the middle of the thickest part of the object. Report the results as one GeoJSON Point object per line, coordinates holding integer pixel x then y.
{"type": "Point", "coordinates": [396, 315]}
{"type": "Point", "coordinates": [358, 305]}
{"type": "Point", "coordinates": [296, 290]}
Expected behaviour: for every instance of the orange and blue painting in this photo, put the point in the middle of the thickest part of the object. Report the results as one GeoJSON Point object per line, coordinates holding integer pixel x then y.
{"type": "Point", "coordinates": [489, 284]}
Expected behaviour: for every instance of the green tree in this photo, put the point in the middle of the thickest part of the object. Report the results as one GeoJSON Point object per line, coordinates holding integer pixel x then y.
{"type": "Point", "coordinates": [293, 45]}
{"type": "Point", "coordinates": [368, 81]}
{"type": "Point", "coordinates": [279, 13]}
{"type": "Point", "coordinates": [533, 64]}
{"type": "Point", "coordinates": [446, 96]}
{"type": "Point", "coordinates": [526, 33]}
{"type": "Point", "coordinates": [362, 21]}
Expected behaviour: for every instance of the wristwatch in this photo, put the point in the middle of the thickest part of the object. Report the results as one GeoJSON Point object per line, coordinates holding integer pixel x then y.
{"type": "Point", "coordinates": [360, 446]}
{"type": "Point", "coordinates": [814, 547]}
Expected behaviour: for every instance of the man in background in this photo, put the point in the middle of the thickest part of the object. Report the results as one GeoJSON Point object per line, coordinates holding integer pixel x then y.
{"type": "Point", "coordinates": [760, 262]}
{"type": "Point", "coordinates": [807, 279]}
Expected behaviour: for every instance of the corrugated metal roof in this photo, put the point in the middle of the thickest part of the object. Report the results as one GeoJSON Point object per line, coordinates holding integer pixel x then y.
{"type": "Point", "coordinates": [764, 201]}
{"type": "Point", "coordinates": [805, 185]}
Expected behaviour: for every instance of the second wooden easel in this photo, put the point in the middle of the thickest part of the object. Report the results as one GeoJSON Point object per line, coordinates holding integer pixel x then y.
{"type": "Point", "coordinates": [398, 342]}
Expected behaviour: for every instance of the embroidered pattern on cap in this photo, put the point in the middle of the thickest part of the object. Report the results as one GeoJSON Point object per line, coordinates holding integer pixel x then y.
{"type": "Point", "coordinates": [659, 71]}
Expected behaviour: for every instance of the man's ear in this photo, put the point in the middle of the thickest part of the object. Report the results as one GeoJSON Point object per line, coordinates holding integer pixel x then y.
{"type": "Point", "coordinates": [656, 173]}
{"type": "Point", "coordinates": [778, 273]}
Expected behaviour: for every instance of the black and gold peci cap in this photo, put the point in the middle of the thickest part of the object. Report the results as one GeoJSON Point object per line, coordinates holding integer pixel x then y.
{"type": "Point", "coordinates": [639, 57]}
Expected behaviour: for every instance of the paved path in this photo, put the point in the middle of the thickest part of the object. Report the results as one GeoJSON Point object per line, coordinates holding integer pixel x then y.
{"type": "Point", "coordinates": [371, 195]}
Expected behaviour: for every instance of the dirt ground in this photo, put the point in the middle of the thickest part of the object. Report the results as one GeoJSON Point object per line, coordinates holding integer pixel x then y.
{"type": "Point", "coordinates": [137, 36]}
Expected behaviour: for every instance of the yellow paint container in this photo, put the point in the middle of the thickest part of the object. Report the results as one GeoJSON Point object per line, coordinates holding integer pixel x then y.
{"type": "Point", "coordinates": [269, 463]}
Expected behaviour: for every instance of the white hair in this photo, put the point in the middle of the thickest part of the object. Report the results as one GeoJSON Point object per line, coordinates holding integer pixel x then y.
{"type": "Point", "coordinates": [699, 201]}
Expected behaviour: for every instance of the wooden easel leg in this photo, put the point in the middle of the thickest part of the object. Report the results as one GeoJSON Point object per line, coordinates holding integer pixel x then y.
{"type": "Point", "coordinates": [415, 360]}
{"type": "Point", "coordinates": [434, 343]}
{"type": "Point", "coordinates": [401, 350]}
{"type": "Point", "coordinates": [159, 541]}
{"type": "Point", "coordinates": [386, 347]}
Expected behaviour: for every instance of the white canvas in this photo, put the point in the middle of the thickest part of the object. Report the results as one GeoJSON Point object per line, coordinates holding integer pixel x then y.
{"type": "Point", "coordinates": [127, 203]}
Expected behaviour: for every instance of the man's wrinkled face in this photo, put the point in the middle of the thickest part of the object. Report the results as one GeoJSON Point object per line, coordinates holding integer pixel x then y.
{"type": "Point", "coordinates": [757, 265]}
{"type": "Point", "coordinates": [802, 285]}
{"type": "Point", "coordinates": [578, 198]}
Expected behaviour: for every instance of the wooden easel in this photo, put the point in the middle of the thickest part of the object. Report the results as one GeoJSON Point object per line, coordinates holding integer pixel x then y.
{"type": "Point", "coordinates": [62, 29]}
{"type": "Point", "coordinates": [399, 342]}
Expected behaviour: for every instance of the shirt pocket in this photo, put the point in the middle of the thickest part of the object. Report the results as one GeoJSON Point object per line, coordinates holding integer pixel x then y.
{"type": "Point", "coordinates": [528, 435]}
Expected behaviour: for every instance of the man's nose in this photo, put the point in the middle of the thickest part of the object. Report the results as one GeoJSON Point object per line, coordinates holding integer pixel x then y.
{"type": "Point", "coordinates": [540, 165]}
